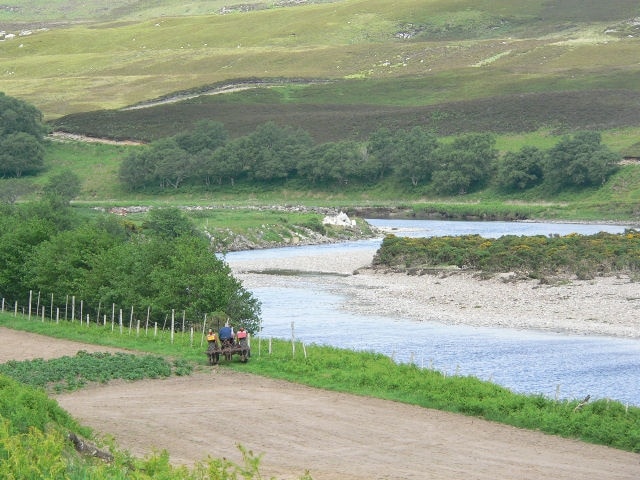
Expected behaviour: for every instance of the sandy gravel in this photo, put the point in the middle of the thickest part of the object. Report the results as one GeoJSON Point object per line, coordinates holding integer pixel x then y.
{"type": "Point", "coordinates": [603, 306]}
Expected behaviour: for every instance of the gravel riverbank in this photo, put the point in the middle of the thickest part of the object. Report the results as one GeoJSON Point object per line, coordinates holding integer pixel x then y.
{"type": "Point", "coordinates": [602, 306]}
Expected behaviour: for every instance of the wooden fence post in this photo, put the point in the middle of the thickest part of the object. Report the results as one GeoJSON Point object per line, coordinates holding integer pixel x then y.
{"type": "Point", "coordinates": [173, 321]}
{"type": "Point", "coordinates": [204, 327]}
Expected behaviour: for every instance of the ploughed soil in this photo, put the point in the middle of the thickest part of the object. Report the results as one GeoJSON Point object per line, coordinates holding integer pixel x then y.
{"type": "Point", "coordinates": [297, 428]}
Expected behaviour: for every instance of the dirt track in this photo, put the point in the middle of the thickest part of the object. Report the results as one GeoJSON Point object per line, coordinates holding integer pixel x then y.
{"type": "Point", "coordinates": [333, 435]}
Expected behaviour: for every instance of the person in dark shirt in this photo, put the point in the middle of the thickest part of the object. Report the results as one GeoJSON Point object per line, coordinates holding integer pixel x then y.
{"type": "Point", "coordinates": [226, 334]}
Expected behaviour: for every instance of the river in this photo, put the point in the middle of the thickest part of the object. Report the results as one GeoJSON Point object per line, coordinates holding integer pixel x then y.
{"type": "Point", "coordinates": [555, 365]}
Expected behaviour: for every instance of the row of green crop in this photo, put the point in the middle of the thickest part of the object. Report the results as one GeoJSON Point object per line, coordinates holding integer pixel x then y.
{"type": "Point", "coordinates": [72, 373]}
{"type": "Point", "coordinates": [585, 256]}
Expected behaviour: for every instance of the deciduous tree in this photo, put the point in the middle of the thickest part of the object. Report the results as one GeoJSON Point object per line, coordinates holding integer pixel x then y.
{"type": "Point", "coordinates": [520, 170]}
{"type": "Point", "coordinates": [579, 160]}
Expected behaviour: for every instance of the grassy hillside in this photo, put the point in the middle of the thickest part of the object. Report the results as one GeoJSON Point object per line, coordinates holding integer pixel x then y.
{"type": "Point", "coordinates": [36, 13]}
{"type": "Point", "coordinates": [404, 53]}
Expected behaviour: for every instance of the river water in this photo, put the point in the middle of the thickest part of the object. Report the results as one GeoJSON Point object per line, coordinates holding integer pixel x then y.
{"type": "Point", "coordinates": [555, 365]}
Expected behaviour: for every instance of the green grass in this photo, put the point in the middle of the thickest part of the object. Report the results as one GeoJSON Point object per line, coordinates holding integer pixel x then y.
{"type": "Point", "coordinates": [362, 373]}
{"type": "Point", "coordinates": [127, 53]}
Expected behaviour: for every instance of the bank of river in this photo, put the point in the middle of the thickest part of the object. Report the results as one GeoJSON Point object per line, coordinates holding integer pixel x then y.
{"type": "Point", "coordinates": [559, 340]}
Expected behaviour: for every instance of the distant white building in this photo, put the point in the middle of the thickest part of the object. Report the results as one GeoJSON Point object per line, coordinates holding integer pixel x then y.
{"type": "Point", "coordinates": [340, 220]}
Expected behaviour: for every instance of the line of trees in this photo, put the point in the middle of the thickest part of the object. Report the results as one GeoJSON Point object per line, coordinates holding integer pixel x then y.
{"type": "Point", "coordinates": [163, 265]}
{"type": "Point", "coordinates": [416, 158]}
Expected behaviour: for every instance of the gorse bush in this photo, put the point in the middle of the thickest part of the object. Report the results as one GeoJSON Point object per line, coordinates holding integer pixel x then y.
{"type": "Point", "coordinates": [582, 255]}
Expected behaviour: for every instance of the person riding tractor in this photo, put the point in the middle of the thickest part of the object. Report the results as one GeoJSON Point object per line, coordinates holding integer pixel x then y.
{"type": "Point", "coordinates": [241, 335]}
{"type": "Point", "coordinates": [226, 335]}
{"type": "Point", "coordinates": [211, 337]}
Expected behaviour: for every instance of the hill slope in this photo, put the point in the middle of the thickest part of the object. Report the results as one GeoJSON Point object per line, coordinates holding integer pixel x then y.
{"type": "Point", "coordinates": [407, 53]}
{"type": "Point", "coordinates": [555, 111]}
